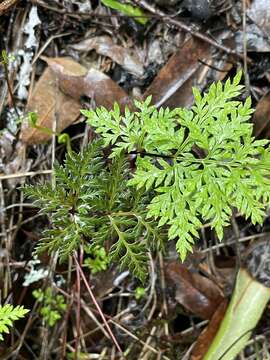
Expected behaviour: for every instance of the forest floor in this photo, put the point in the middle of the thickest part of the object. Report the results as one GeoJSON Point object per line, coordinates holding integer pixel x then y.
{"type": "Point", "coordinates": [67, 55]}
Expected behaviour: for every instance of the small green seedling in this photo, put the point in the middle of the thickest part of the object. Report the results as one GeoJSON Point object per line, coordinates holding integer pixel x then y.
{"type": "Point", "coordinates": [52, 306]}
{"type": "Point", "coordinates": [126, 9]}
{"type": "Point", "coordinates": [63, 138]}
{"type": "Point", "coordinates": [98, 259]}
{"type": "Point", "coordinates": [139, 292]}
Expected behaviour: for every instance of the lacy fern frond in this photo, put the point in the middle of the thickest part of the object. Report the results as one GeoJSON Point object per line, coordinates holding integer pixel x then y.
{"type": "Point", "coordinates": [9, 314]}
{"type": "Point", "coordinates": [201, 162]}
{"type": "Point", "coordinates": [92, 204]}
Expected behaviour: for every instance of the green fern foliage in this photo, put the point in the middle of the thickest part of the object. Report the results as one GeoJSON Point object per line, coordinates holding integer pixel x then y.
{"type": "Point", "coordinates": [9, 314]}
{"type": "Point", "coordinates": [91, 204]}
{"type": "Point", "coordinates": [201, 162]}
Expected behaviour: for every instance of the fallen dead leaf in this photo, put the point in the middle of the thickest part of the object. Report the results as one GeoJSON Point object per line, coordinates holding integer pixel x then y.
{"type": "Point", "coordinates": [48, 101]}
{"type": "Point", "coordinates": [188, 67]}
{"type": "Point", "coordinates": [257, 28]}
{"type": "Point", "coordinates": [195, 292]}
{"type": "Point", "coordinates": [58, 93]}
{"type": "Point", "coordinates": [173, 84]}
{"type": "Point", "coordinates": [104, 45]}
{"type": "Point", "coordinates": [94, 84]}
{"type": "Point", "coordinates": [206, 337]}
{"type": "Point", "coordinates": [261, 117]}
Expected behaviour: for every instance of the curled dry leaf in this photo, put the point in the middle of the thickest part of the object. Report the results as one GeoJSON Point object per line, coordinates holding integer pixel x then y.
{"type": "Point", "coordinates": [195, 292]}
{"type": "Point", "coordinates": [104, 45]}
{"type": "Point", "coordinates": [173, 84]}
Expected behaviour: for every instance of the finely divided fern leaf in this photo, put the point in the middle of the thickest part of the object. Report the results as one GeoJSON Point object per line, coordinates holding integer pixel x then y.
{"type": "Point", "coordinates": [8, 314]}
{"type": "Point", "coordinates": [201, 162]}
{"type": "Point", "coordinates": [92, 204]}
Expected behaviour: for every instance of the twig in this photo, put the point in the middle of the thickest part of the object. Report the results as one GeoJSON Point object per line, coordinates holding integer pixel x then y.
{"type": "Point", "coordinates": [97, 306]}
{"type": "Point", "coordinates": [6, 5]}
{"type": "Point", "coordinates": [25, 174]}
{"type": "Point", "coordinates": [244, 21]}
{"type": "Point", "coordinates": [166, 18]}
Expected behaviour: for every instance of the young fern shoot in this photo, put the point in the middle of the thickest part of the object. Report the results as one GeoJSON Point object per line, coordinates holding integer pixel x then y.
{"type": "Point", "coordinates": [200, 162]}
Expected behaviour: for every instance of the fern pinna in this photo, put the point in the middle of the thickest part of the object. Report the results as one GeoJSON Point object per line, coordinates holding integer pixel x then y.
{"type": "Point", "coordinates": [9, 314]}
{"type": "Point", "coordinates": [192, 166]}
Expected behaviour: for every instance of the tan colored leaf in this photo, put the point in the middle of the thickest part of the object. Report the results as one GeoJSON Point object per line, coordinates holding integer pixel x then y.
{"type": "Point", "coordinates": [104, 45]}
{"type": "Point", "coordinates": [261, 118]}
{"type": "Point", "coordinates": [49, 102]}
{"type": "Point", "coordinates": [94, 84]}
{"type": "Point", "coordinates": [58, 92]}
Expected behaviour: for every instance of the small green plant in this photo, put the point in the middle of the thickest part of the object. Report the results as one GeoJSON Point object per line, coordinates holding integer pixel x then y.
{"type": "Point", "coordinates": [63, 138]}
{"type": "Point", "coordinates": [201, 162]}
{"type": "Point", "coordinates": [52, 306]}
{"type": "Point", "coordinates": [192, 166]}
{"type": "Point", "coordinates": [98, 260]}
{"type": "Point", "coordinates": [127, 9]}
{"type": "Point", "coordinates": [140, 292]}
{"type": "Point", "coordinates": [9, 314]}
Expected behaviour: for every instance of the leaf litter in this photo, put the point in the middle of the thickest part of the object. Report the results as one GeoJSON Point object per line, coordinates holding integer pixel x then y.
{"type": "Point", "coordinates": [154, 57]}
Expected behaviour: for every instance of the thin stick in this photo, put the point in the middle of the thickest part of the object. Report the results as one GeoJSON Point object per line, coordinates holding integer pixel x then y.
{"type": "Point", "coordinates": [24, 174]}
{"type": "Point", "coordinates": [244, 23]}
{"type": "Point", "coordinates": [163, 16]}
{"type": "Point", "coordinates": [97, 306]}
{"type": "Point", "coordinates": [6, 5]}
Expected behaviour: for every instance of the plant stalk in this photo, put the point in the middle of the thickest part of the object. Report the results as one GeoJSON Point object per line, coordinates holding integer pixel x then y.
{"type": "Point", "coordinates": [244, 311]}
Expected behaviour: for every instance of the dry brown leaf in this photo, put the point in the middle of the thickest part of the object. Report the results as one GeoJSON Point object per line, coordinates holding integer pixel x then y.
{"type": "Point", "coordinates": [261, 118]}
{"type": "Point", "coordinates": [48, 102]}
{"type": "Point", "coordinates": [173, 84]}
{"type": "Point", "coordinates": [206, 337]}
{"type": "Point", "coordinates": [195, 292]}
{"type": "Point", "coordinates": [104, 45]}
{"type": "Point", "coordinates": [58, 93]}
{"type": "Point", "coordinates": [94, 84]}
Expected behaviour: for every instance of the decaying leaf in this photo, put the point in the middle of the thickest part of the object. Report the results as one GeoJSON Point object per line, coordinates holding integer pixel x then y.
{"type": "Point", "coordinates": [195, 292]}
{"type": "Point", "coordinates": [49, 102]}
{"type": "Point", "coordinates": [257, 28]}
{"type": "Point", "coordinates": [58, 92]}
{"type": "Point", "coordinates": [104, 45]}
{"type": "Point", "coordinates": [173, 84]}
{"type": "Point", "coordinates": [94, 84]}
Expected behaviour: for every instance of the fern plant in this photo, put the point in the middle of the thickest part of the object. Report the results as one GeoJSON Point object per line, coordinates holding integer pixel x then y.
{"type": "Point", "coordinates": [200, 162]}
{"type": "Point", "coordinates": [192, 166]}
{"type": "Point", "coordinates": [91, 205]}
{"type": "Point", "coordinates": [9, 314]}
